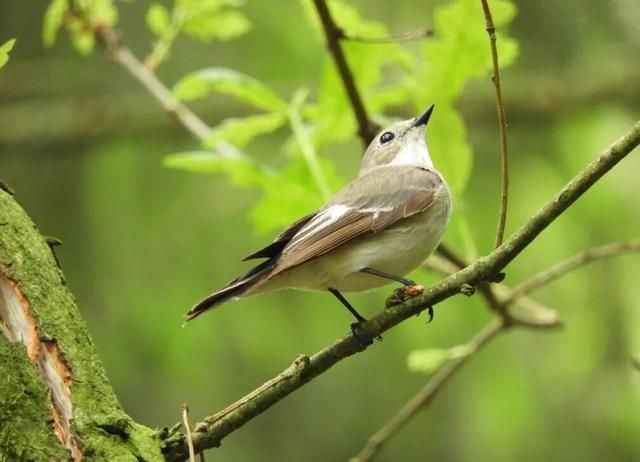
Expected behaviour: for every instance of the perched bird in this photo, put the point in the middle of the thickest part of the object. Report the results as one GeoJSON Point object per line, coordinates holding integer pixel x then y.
{"type": "Point", "coordinates": [374, 231]}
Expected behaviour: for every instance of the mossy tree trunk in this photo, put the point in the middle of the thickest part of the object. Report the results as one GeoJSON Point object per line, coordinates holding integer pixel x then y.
{"type": "Point", "coordinates": [55, 400]}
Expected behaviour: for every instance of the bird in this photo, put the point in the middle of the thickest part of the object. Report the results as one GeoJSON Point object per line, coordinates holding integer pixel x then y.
{"type": "Point", "coordinates": [374, 231]}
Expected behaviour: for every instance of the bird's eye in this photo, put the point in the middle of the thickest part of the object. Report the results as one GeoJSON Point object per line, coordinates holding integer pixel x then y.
{"type": "Point", "coordinates": [386, 137]}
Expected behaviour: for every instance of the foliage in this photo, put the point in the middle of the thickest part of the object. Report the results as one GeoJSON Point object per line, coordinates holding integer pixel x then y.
{"type": "Point", "coordinates": [438, 74]}
{"type": "Point", "coordinates": [458, 54]}
{"type": "Point", "coordinates": [202, 20]}
{"type": "Point", "coordinates": [82, 19]}
{"type": "Point", "coordinates": [5, 49]}
{"type": "Point", "coordinates": [429, 360]}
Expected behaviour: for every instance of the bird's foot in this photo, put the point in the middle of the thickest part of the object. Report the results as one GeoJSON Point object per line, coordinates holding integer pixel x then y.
{"type": "Point", "coordinates": [402, 294]}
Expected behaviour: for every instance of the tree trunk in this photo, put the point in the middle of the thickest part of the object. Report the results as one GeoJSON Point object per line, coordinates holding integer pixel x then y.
{"type": "Point", "coordinates": [55, 400]}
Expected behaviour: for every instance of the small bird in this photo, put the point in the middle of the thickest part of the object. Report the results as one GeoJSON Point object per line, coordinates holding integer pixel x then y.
{"type": "Point", "coordinates": [374, 231]}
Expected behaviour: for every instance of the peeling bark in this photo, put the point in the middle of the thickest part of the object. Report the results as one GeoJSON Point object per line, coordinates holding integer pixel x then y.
{"type": "Point", "coordinates": [55, 400]}
{"type": "Point", "coordinates": [18, 325]}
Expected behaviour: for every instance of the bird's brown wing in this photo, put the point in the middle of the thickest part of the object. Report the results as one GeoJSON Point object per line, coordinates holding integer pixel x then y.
{"type": "Point", "coordinates": [369, 204]}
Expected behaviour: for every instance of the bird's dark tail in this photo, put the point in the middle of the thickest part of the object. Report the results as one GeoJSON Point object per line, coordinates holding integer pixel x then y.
{"type": "Point", "coordinates": [235, 288]}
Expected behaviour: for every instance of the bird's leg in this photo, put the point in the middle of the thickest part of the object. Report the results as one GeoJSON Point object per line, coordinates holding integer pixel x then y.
{"type": "Point", "coordinates": [392, 277]}
{"type": "Point", "coordinates": [352, 310]}
{"type": "Point", "coordinates": [410, 289]}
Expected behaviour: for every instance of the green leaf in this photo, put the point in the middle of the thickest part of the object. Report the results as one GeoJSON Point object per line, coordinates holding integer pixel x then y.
{"type": "Point", "coordinates": [102, 13]}
{"type": "Point", "coordinates": [448, 146]}
{"type": "Point", "coordinates": [82, 39]}
{"type": "Point", "coordinates": [289, 195]}
{"type": "Point", "coordinates": [158, 19]}
{"type": "Point", "coordinates": [460, 49]}
{"type": "Point", "coordinates": [332, 116]}
{"type": "Point", "coordinates": [53, 19]}
{"type": "Point", "coordinates": [241, 170]}
{"type": "Point", "coordinates": [228, 82]}
{"type": "Point", "coordinates": [240, 131]}
{"type": "Point", "coordinates": [458, 52]}
{"type": "Point", "coordinates": [222, 26]}
{"type": "Point", "coordinates": [431, 359]}
{"type": "Point", "coordinates": [4, 51]}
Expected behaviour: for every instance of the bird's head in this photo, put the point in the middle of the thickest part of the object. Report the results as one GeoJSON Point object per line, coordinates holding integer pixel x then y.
{"type": "Point", "coordinates": [402, 143]}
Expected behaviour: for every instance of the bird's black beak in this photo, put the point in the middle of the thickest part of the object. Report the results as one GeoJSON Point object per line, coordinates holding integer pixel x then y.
{"type": "Point", "coordinates": [424, 117]}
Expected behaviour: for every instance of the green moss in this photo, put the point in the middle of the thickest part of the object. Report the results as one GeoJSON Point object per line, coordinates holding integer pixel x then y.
{"type": "Point", "coordinates": [106, 431]}
{"type": "Point", "coordinates": [26, 432]}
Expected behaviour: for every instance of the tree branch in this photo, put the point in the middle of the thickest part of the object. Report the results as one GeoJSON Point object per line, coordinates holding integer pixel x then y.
{"type": "Point", "coordinates": [504, 158]}
{"type": "Point", "coordinates": [123, 56]}
{"type": "Point", "coordinates": [426, 395]}
{"type": "Point", "coordinates": [212, 430]}
{"type": "Point", "coordinates": [366, 129]}
{"type": "Point", "coordinates": [583, 258]}
{"type": "Point", "coordinates": [417, 34]}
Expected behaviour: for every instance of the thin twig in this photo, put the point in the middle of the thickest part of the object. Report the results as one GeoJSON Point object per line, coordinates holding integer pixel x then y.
{"type": "Point", "coordinates": [187, 427]}
{"type": "Point", "coordinates": [504, 158]}
{"type": "Point", "coordinates": [426, 395]}
{"type": "Point", "coordinates": [583, 258]}
{"type": "Point", "coordinates": [211, 432]}
{"type": "Point", "coordinates": [366, 129]}
{"type": "Point", "coordinates": [418, 34]}
{"type": "Point", "coordinates": [123, 56]}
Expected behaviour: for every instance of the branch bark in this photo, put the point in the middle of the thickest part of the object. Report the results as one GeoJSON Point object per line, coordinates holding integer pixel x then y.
{"type": "Point", "coordinates": [583, 258]}
{"type": "Point", "coordinates": [366, 129]}
{"type": "Point", "coordinates": [212, 430]}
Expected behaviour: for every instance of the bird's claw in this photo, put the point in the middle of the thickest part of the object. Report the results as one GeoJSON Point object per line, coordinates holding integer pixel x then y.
{"type": "Point", "coordinates": [402, 294]}
{"type": "Point", "coordinates": [430, 313]}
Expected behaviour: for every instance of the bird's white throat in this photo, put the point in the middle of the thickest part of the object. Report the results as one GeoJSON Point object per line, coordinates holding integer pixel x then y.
{"type": "Point", "coordinates": [414, 152]}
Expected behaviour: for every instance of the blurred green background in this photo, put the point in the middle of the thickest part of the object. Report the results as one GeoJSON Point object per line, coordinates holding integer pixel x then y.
{"type": "Point", "coordinates": [82, 144]}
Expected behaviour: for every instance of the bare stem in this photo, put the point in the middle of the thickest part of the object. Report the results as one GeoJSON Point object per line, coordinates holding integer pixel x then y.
{"type": "Point", "coordinates": [211, 431]}
{"type": "Point", "coordinates": [417, 34]}
{"type": "Point", "coordinates": [366, 129]}
{"type": "Point", "coordinates": [123, 56]}
{"type": "Point", "coordinates": [504, 158]}
{"type": "Point", "coordinates": [581, 259]}
{"type": "Point", "coordinates": [427, 394]}
{"type": "Point", "coordinates": [187, 428]}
